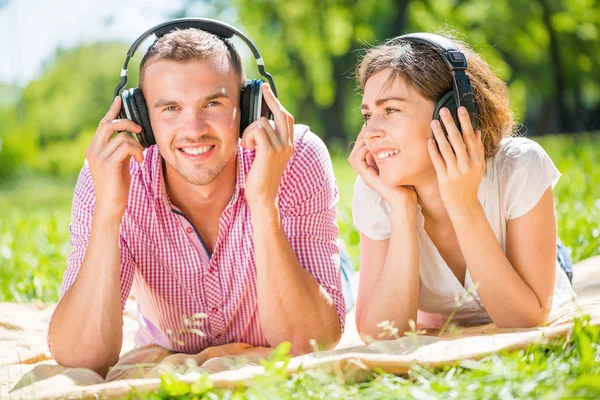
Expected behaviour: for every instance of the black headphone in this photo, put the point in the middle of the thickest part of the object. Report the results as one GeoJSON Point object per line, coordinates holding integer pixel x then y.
{"type": "Point", "coordinates": [252, 104]}
{"type": "Point", "coordinates": [462, 93]}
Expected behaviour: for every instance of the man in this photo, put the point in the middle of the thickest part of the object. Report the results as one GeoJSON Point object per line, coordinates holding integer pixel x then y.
{"type": "Point", "coordinates": [221, 241]}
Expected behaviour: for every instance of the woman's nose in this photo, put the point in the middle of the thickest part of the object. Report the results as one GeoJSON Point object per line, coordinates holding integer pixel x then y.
{"type": "Point", "coordinates": [372, 130]}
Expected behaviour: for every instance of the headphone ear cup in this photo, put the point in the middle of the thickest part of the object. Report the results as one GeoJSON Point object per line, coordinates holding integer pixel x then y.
{"type": "Point", "coordinates": [245, 106]}
{"type": "Point", "coordinates": [146, 135]}
{"type": "Point", "coordinates": [449, 101]}
{"type": "Point", "coordinates": [128, 111]}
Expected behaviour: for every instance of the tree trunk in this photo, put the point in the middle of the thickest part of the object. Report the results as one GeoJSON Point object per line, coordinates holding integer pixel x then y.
{"type": "Point", "coordinates": [564, 122]}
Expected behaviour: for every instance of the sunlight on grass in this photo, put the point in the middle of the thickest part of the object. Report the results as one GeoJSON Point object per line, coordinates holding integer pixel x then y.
{"type": "Point", "coordinates": [35, 213]}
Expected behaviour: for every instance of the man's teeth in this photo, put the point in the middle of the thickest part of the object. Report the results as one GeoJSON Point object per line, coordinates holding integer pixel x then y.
{"type": "Point", "coordinates": [196, 150]}
{"type": "Point", "coordinates": [386, 153]}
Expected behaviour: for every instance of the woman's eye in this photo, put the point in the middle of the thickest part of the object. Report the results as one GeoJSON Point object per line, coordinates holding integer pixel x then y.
{"type": "Point", "coordinates": [366, 117]}
{"type": "Point", "coordinates": [390, 110]}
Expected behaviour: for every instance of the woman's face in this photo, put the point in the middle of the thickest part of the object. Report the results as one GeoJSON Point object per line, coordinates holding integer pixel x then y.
{"type": "Point", "coordinates": [396, 129]}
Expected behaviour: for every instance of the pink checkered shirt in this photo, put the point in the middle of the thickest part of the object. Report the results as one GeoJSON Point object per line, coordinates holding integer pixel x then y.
{"type": "Point", "coordinates": [187, 299]}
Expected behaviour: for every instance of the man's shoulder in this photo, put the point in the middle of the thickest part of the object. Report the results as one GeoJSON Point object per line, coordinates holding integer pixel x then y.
{"type": "Point", "coordinates": [308, 147]}
{"type": "Point", "coordinates": [310, 163]}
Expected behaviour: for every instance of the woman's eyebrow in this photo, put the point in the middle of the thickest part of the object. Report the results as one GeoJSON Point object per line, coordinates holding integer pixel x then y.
{"type": "Point", "coordinates": [379, 102]}
{"type": "Point", "coordinates": [384, 100]}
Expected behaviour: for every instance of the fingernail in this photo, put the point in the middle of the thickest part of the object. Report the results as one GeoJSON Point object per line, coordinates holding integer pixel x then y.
{"type": "Point", "coordinates": [462, 110]}
{"type": "Point", "coordinates": [444, 111]}
{"type": "Point", "coordinates": [431, 141]}
{"type": "Point", "coordinates": [435, 123]}
{"type": "Point", "coordinates": [115, 99]}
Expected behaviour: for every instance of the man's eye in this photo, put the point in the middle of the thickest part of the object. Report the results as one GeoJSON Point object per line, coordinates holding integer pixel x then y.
{"type": "Point", "coordinates": [212, 104]}
{"type": "Point", "coordinates": [170, 108]}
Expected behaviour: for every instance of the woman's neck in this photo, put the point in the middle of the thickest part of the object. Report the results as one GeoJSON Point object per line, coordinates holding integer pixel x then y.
{"type": "Point", "coordinates": [431, 203]}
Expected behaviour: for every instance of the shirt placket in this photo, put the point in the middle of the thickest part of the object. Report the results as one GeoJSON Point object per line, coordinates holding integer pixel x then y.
{"type": "Point", "coordinates": [214, 296]}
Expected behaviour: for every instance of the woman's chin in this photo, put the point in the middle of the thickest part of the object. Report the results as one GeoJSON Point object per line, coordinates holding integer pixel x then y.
{"type": "Point", "coordinates": [393, 179]}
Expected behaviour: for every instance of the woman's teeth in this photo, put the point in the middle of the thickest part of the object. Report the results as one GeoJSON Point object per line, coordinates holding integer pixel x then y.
{"type": "Point", "coordinates": [196, 150]}
{"type": "Point", "coordinates": [386, 153]}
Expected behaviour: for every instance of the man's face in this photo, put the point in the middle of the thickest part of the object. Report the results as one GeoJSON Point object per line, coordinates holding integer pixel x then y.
{"type": "Point", "coordinates": [194, 112]}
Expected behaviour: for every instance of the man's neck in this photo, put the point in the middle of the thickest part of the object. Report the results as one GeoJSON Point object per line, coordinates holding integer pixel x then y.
{"type": "Point", "coordinates": [199, 200]}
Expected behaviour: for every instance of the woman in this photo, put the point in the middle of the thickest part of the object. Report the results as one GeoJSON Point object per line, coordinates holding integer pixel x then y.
{"type": "Point", "coordinates": [463, 217]}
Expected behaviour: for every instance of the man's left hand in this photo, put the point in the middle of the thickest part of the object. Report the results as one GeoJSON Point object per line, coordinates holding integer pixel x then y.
{"type": "Point", "coordinates": [274, 146]}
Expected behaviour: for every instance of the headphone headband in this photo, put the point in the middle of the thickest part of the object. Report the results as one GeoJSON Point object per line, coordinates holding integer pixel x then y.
{"type": "Point", "coordinates": [451, 54]}
{"type": "Point", "coordinates": [217, 28]}
{"type": "Point", "coordinates": [456, 60]}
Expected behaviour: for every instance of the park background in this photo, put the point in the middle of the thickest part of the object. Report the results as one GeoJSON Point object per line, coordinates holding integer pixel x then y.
{"type": "Point", "coordinates": [60, 61]}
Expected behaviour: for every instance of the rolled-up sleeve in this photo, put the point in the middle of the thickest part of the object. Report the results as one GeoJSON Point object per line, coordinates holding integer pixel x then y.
{"type": "Point", "coordinates": [80, 230]}
{"type": "Point", "coordinates": [308, 200]}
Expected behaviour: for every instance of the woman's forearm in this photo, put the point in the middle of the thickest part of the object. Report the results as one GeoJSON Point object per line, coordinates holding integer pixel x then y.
{"type": "Point", "coordinates": [507, 298]}
{"type": "Point", "coordinates": [395, 293]}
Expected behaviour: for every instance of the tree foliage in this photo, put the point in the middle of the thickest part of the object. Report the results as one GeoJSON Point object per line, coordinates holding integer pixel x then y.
{"type": "Point", "coordinates": [548, 51]}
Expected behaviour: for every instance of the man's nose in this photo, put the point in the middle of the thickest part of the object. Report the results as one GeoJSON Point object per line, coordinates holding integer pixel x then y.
{"type": "Point", "coordinates": [196, 122]}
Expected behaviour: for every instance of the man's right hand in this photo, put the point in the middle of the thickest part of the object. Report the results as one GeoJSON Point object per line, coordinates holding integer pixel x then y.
{"type": "Point", "coordinates": [363, 162]}
{"type": "Point", "coordinates": [109, 161]}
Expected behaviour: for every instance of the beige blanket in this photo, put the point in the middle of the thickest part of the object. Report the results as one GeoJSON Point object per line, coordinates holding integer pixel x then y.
{"type": "Point", "coordinates": [27, 368]}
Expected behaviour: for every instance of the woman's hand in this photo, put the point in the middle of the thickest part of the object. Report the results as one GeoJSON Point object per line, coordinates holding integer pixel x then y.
{"type": "Point", "coordinates": [459, 163]}
{"type": "Point", "coordinates": [363, 162]}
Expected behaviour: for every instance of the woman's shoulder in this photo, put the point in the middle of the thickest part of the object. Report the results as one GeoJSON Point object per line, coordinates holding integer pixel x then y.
{"type": "Point", "coordinates": [519, 154]}
{"type": "Point", "coordinates": [515, 148]}
{"type": "Point", "coordinates": [523, 172]}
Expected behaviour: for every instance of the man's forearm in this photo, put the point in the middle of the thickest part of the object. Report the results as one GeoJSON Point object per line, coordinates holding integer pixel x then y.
{"type": "Point", "coordinates": [395, 295]}
{"type": "Point", "coordinates": [86, 329]}
{"type": "Point", "coordinates": [292, 305]}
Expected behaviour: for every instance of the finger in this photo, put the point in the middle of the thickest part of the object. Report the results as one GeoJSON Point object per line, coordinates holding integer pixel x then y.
{"type": "Point", "coordinates": [125, 151]}
{"type": "Point", "coordinates": [358, 145]}
{"type": "Point", "coordinates": [114, 109]}
{"type": "Point", "coordinates": [280, 114]}
{"type": "Point", "coordinates": [274, 138]}
{"type": "Point", "coordinates": [112, 113]}
{"type": "Point", "coordinates": [436, 157]}
{"type": "Point", "coordinates": [122, 140]}
{"type": "Point", "coordinates": [371, 160]}
{"type": "Point", "coordinates": [108, 127]}
{"type": "Point", "coordinates": [362, 166]}
{"type": "Point", "coordinates": [444, 147]}
{"type": "Point", "coordinates": [454, 136]}
{"type": "Point", "coordinates": [249, 135]}
{"type": "Point", "coordinates": [262, 143]}
{"type": "Point", "coordinates": [467, 130]}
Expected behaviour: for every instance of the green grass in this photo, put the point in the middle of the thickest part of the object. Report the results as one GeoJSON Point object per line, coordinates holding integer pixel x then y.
{"type": "Point", "coordinates": [35, 213]}
{"type": "Point", "coordinates": [34, 218]}
{"type": "Point", "coordinates": [565, 368]}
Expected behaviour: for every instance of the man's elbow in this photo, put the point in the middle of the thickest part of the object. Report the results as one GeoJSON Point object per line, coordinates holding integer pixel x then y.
{"type": "Point", "coordinates": [303, 344]}
{"type": "Point", "coordinates": [98, 364]}
{"type": "Point", "coordinates": [65, 355]}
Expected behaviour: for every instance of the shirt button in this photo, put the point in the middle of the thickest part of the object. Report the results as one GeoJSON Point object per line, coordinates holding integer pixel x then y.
{"type": "Point", "coordinates": [189, 230]}
{"type": "Point", "coordinates": [215, 310]}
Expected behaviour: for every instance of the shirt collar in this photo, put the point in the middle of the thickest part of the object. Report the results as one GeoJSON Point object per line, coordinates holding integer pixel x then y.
{"type": "Point", "coordinates": [158, 181]}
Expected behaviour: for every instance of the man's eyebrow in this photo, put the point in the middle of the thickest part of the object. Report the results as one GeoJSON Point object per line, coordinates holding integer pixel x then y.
{"type": "Point", "coordinates": [222, 93]}
{"type": "Point", "coordinates": [384, 100]}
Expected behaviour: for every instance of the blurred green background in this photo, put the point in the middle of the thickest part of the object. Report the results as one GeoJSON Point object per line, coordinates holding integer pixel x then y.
{"type": "Point", "coordinates": [548, 51]}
